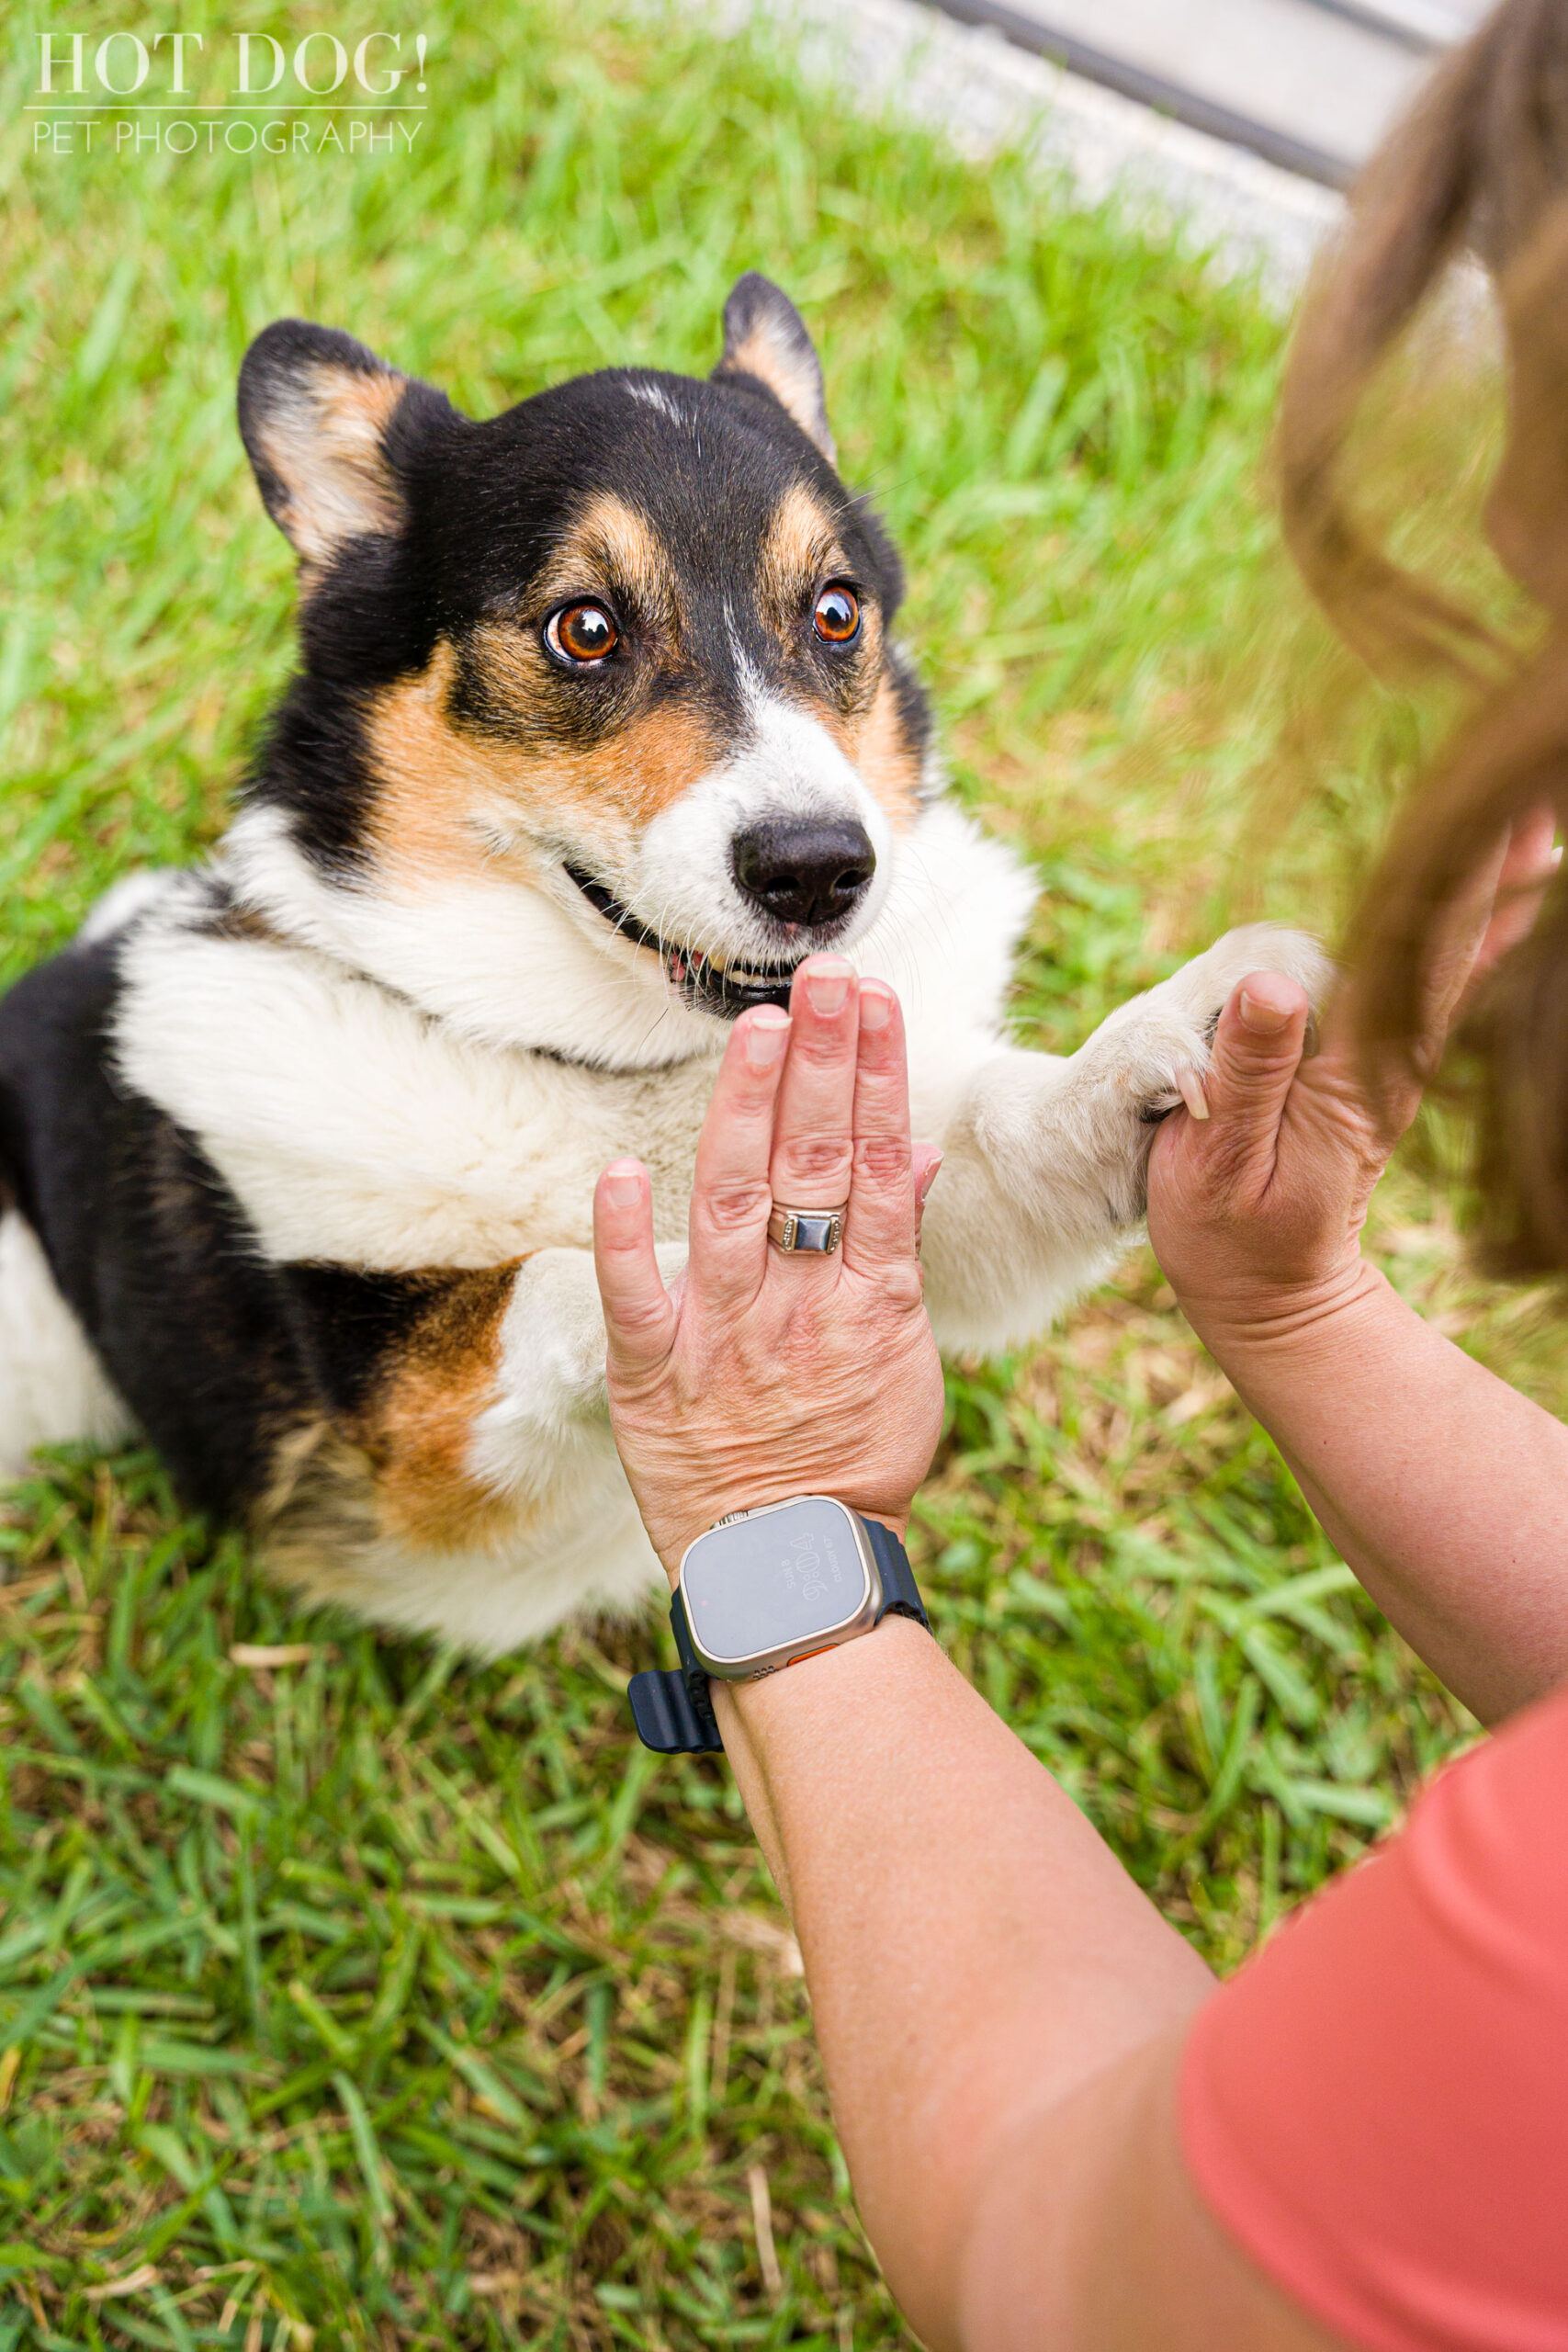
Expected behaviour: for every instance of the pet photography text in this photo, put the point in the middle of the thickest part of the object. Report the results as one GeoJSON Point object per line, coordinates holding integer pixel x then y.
{"type": "Point", "coordinates": [132, 94]}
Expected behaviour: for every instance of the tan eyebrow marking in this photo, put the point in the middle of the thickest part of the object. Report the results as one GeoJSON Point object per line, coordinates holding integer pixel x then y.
{"type": "Point", "coordinates": [800, 547]}
{"type": "Point", "coordinates": [610, 546]}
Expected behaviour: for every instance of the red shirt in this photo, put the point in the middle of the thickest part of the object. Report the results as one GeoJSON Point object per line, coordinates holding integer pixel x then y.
{"type": "Point", "coordinates": [1376, 2108]}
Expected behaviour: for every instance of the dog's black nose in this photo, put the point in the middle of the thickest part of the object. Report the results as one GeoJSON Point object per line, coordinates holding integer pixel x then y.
{"type": "Point", "coordinates": [809, 873]}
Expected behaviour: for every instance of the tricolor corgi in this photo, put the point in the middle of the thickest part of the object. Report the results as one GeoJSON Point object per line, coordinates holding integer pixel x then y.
{"type": "Point", "coordinates": [600, 724]}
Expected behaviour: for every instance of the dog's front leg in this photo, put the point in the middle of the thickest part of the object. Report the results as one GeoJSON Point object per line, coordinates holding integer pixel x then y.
{"type": "Point", "coordinates": [1046, 1160]}
{"type": "Point", "coordinates": [547, 1405]}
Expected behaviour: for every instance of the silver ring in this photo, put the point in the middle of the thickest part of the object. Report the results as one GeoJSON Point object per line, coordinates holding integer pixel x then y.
{"type": "Point", "coordinates": [820, 1230]}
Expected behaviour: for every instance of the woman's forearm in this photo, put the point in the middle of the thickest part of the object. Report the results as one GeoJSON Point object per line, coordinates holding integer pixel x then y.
{"type": "Point", "coordinates": [1444, 1489]}
{"type": "Point", "coordinates": [972, 1946]}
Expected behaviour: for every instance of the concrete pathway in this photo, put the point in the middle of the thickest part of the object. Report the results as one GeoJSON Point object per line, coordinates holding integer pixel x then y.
{"type": "Point", "coordinates": [1311, 84]}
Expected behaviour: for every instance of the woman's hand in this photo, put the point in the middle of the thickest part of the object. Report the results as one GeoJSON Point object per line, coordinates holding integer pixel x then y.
{"type": "Point", "coordinates": [1255, 1210]}
{"type": "Point", "coordinates": [1394, 1435]}
{"type": "Point", "coordinates": [762, 1376]}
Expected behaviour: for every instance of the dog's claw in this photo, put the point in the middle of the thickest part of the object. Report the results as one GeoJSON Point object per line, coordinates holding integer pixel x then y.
{"type": "Point", "coordinates": [1191, 1090]}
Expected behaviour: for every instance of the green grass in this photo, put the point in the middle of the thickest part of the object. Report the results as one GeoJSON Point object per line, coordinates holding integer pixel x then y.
{"type": "Point", "coordinates": [379, 1997]}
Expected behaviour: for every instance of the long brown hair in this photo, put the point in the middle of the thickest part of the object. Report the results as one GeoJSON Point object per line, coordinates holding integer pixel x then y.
{"type": "Point", "coordinates": [1480, 165]}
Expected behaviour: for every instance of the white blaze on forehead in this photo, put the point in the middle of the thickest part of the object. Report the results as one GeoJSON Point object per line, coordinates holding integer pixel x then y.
{"type": "Point", "coordinates": [654, 396]}
{"type": "Point", "coordinates": [788, 768]}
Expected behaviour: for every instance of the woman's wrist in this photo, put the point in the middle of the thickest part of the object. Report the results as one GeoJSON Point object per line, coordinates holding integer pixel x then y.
{"type": "Point", "coordinates": [1245, 1320]}
{"type": "Point", "coordinates": [897, 1653]}
{"type": "Point", "coordinates": [1297, 1364]}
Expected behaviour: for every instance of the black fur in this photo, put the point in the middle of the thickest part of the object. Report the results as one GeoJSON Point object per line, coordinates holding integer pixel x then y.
{"type": "Point", "coordinates": [217, 1353]}
{"type": "Point", "coordinates": [349, 1325]}
{"type": "Point", "coordinates": [145, 1242]}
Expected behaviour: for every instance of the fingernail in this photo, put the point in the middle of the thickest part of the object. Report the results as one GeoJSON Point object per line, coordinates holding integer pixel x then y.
{"type": "Point", "coordinates": [1190, 1087]}
{"type": "Point", "coordinates": [875, 1005]}
{"type": "Point", "coordinates": [767, 1034]}
{"type": "Point", "coordinates": [1265, 1019]}
{"type": "Point", "coordinates": [826, 985]}
{"type": "Point", "coordinates": [623, 1183]}
{"type": "Point", "coordinates": [929, 1179]}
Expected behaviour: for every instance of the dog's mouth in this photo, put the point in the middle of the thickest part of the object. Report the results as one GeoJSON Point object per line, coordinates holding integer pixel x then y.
{"type": "Point", "coordinates": [707, 982]}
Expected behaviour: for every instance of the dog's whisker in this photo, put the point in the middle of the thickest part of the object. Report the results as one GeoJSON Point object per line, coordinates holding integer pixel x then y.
{"type": "Point", "coordinates": [663, 1016]}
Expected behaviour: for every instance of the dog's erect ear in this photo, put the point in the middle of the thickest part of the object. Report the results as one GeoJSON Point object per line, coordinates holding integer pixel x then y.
{"type": "Point", "coordinates": [764, 337]}
{"type": "Point", "coordinates": [314, 409]}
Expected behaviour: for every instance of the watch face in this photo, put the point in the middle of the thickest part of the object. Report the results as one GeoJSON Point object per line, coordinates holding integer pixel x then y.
{"type": "Point", "coordinates": [775, 1580]}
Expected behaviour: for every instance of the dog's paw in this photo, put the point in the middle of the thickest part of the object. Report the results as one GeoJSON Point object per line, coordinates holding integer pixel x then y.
{"type": "Point", "coordinates": [1162, 1040]}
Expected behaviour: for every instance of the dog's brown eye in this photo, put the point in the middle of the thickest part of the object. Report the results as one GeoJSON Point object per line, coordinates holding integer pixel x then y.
{"type": "Point", "coordinates": [582, 633]}
{"type": "Point", "coordinates": [837, 617]}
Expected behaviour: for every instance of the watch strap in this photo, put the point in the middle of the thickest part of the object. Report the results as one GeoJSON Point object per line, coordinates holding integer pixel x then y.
{"type": "Point", "coordinates": [666, 1719]}
{"type": "Point", "coordinates": [676, 1703]}
{"type": "Point", "coordinates": [900, 1593]}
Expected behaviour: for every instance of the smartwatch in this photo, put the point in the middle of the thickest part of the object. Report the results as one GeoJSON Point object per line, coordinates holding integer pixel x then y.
{"type": "Point", "coordinates": [760, 1591]}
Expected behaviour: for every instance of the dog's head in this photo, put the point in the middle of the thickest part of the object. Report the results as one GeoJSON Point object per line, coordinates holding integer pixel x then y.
{"type": "Point", "coordinates": [626, 647]}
